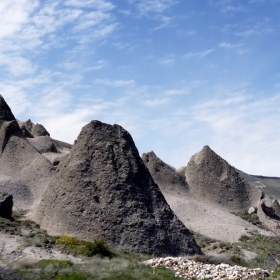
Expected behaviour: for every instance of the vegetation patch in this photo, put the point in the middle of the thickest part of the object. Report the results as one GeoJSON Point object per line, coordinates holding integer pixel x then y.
{"type": "Point", "coordinates": [74, 245]}
{"type": "Point", "coordinates": [267, 249]}
{"type": "Point", "coordinates": [251, 218]}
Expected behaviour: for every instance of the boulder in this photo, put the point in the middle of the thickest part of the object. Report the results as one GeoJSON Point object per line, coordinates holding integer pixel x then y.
{"type": "Point", "coordinates": [24, 172]}
{"type": "Point", "coordinates": [212, 179]}
{"type": "Point", "coordinates": [102, 189]}
{"type": "Point", "coordinates": [165, 176]}
{"type": "Point", "coordinates": [6, 205]}
{"type": "Point", "coordinates": [57, 160]}
{"type": "Point", "coordinates": [251, 210]}
{"type": "Point", "coordinates": [39, 130]}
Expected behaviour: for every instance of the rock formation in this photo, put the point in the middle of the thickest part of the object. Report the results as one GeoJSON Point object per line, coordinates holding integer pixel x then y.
{"type": "Point", "coordinates": [164, 175]}
{"type": "Point", "coordinates": [102, 189]}
{"type": "Point", "coordinates": [39, 130]}
{"type": "Point", "coordinates": [212, 179]}
{"type": "Point", "coordinates": [6, 206]}
{"type": "Point", "coordinates": [43, 144]}
{"type": "Point", "coordinates": [24, 172]}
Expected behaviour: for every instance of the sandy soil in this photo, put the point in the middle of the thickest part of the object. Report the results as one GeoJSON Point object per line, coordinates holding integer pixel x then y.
{"type": "Point", "coordinates": [12, 249]}
{"type": "Point", "coordinates": [209, 220]}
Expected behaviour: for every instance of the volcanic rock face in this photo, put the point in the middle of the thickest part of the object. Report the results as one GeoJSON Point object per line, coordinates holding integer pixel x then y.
{"type": "Point", "coordinates": [103, 189]}
{"type": "Point", "coordinates": [212, 179]}
{"type": "Point", "coordinates": [164, 175]}
{"type": "Point", "coordinates": [24, 172]}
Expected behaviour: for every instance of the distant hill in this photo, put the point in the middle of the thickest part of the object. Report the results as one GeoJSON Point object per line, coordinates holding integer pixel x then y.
{"type": "Point", "coordinates": [269, 185]}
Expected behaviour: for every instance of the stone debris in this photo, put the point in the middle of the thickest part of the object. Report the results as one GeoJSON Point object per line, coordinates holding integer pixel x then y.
{"type": "Point", "coordinates": [187, 269]}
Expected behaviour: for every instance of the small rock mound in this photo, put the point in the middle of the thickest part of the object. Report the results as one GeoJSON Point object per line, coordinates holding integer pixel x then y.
{"type": "Point", "coordinates": [39, 130]}
{"type": "Point", "coordinates": [164, 175]}
{"type": "Point", "coordinates": [212, 179]}
{"type": "Point", "coordinates": [102, 189]}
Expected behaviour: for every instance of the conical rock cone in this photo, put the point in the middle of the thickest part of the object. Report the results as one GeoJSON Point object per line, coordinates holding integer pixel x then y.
{"type": "Point", "coordinates": [213, 179]}
{"type": "Point", "coordinates": [102, 189]}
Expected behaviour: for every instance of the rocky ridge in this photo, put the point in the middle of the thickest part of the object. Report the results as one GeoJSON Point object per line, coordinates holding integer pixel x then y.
{"type": "Point", "coordinates": [24, 172]}
{"type": "Point", "coordinates": [103, 189]}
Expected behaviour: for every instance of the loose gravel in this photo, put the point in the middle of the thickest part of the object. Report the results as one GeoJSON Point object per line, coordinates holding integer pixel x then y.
{"type": "Point", "coordinates": [188, 269]}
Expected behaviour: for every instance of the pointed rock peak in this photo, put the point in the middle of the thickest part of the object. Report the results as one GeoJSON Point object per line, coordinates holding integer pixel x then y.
{"type": "Point", "coordinates": [39, 130]}
{"type": "Point", "coordinates": [206, 152]}
{"type": "Point", "coordinates": [5, 111]}
{"type": "Point", "coordinates": [102, 189]}
{"type": "Point", "coordinates": [212, 178]}
{"type": "Point", "coordinates": [163, 174]}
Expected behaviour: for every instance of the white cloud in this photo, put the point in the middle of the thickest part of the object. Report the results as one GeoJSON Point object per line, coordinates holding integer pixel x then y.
{"type": "Point", "coordinates": [167, 61]}
{"type": "Point", "coordinates": [13, 14]}
{"type": "Point", "coordinates": [17, 65]}
{"type": "Point", "coordinates": [241, 124]}
{"type": "Point", "coordinates": [145, 7]}
{"type": "Point", "coordinates": [97, 4]}
{"type": "Point", "coordinates": [230, 8]}
{"type": "Point", "coordinates": [198, 54]}
{"type": "Point", "coordinates": [156, 102]}
{"type": "Point", "coordinates": [114, 83]}
{"type": "Point", "coordinates": [230, 46]}
{"type": "Point", "coordinates": [176, 91]}
{"type": "Point", "coordinates": [15, 97]}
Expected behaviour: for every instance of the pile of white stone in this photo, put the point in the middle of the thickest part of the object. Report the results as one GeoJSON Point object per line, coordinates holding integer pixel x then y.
{"type": "Point", "coordinates": [186, 268]}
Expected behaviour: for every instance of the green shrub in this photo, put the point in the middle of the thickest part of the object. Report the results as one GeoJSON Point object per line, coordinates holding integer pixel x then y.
{"type": "Point", "coordinates": [78, 246]}
{"type": "Point", "coordinates": [71, 276]}
{"type": "Point", "coordinates": [54, 263]}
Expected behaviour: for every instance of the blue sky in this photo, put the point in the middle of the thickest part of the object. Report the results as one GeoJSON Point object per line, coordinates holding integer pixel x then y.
{"type": "Point", "coordinates": [177, 75]}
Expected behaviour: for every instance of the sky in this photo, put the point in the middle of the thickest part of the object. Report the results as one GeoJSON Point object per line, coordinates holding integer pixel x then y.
{"type": "Point", "coordinates": [177, 74]}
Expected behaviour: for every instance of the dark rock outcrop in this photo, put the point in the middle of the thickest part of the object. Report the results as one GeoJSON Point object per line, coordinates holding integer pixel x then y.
{"type": "Point", "coordinates": [102, 189]}
{"type": "Point", "coordinates": [212, 179]}
{"type": "Point", "coordinates": [25, 132]}
{"type": "Point", "coordinates": [24, 172]}
{"type": "Point", "coordinates": [39, 130]}
{"type": "Point", "coordinates": [164, 175]}
{"type": "Point", "coordinates": [6, 114]}
{"type": "Point", "coordinates": [6, 206]}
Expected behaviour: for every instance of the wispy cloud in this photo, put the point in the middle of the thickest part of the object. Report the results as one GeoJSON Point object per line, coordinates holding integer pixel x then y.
{"type": "Point", "coordinates": [238, 48]}
{"type": "Point", "coordinates": [245, 121]}
{"type": "Point", "coordinates": [176, 91]}
{"type": "Point", "coordinates": [231, 8]}
{"type": "Point", "coordinates": [114, 83]}
{"type": "Point", "coordinates": [145, 7]}
{"type": "Point", "coordinates": [156, 102]}
{"type": "Point", "coordinates": [168, 61]}
{"type": "Point", "coordinates": [198, 54]}
{"type": "Point", "coordinates": [230, 46]}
